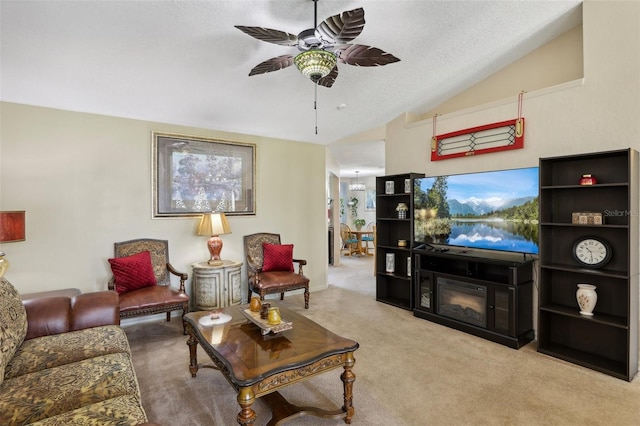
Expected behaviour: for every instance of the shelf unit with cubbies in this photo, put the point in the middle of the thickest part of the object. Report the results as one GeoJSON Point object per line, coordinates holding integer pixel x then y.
{"type": "Point", "coordinates": [394, 287]}
{"type": "Point", "coordinates": [606, 341]}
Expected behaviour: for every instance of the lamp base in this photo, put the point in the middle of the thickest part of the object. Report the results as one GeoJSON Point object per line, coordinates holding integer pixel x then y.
{"type": "Point", "coordinates": [215, 247]}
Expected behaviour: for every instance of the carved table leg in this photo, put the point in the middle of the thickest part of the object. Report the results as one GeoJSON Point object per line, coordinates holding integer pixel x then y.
{"type": "Point", "coordinates": [348, 377]}
{"type": "Point", "coordinates": [246, 416]}
{"type": "Point", "coordinates": [192, 342]}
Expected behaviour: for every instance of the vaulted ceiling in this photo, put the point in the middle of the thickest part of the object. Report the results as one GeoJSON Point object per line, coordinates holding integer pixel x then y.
{"type": "Point", "coordinates": [184, 62]}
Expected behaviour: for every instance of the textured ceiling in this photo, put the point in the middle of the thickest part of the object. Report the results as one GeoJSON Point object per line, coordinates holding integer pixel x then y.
{"type": "Point", "coordinates": [183, 62]}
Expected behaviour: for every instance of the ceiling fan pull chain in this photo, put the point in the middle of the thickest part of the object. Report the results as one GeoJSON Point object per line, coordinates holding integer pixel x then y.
{"type": "Point", "coordinates": [315, 14]}
{"type": "Point", "coordinates": [315, 103]}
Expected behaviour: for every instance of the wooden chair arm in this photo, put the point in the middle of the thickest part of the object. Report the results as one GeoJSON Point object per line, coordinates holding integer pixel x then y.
{"type": "Point", "coordinates": [183, 276]}
{"type": "Point", "coordinates": [111, 285]}
{"type": "Point", "coordinates": [301, 263]}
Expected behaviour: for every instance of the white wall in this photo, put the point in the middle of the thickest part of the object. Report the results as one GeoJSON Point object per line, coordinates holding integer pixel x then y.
{"type": "Point", "coordinates": [346, 194]}
{"type": "Point", "coordinates": [85, 183]}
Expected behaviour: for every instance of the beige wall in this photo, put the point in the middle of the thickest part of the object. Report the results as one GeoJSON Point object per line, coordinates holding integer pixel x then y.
{"type": "Point", "coordinates": [559, 61]}
{"type": "Point", "coordinates": [85, 183]}
{"type": "Point", "coordinates": [598, 112]}
{"type": "Point", "coordinates": [85, 180]}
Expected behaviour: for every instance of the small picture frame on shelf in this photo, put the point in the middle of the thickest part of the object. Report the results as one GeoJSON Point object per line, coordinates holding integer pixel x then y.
{"type": "Point", "coordinates": [389, 187]}
{"type": "Point", "coordinates": [390, 263]}
{"type": "Point", "coordinates": [407, 186]}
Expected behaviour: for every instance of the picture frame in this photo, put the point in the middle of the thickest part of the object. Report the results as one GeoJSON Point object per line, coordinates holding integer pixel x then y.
{"type": "Point", "coordinates": [389, 187]}
{"type": "Point", "coordinates": [370, 200]}
{"type": "Point", "coordinates": [390, 263]}
{"type": "Point", "coordinates": [192, 175]}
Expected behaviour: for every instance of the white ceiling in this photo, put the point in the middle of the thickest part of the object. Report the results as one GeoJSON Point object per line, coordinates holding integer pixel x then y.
{"type": "Point", "coordinates": [183, 62]}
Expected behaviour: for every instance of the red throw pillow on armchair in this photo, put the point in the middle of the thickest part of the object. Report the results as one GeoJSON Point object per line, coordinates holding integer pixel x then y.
{"type": "Point", "coordinates": [277, 257]}
{"type": "Point", "coordinates": [133, 272]}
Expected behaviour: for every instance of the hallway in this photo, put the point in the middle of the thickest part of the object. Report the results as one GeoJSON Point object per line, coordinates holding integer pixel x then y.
{"type": "Point", "coordinates": [354, 273]}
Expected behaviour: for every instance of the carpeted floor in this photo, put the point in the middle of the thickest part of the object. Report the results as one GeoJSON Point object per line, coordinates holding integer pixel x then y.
{"type": "Point", "coordinates": [409, 372]}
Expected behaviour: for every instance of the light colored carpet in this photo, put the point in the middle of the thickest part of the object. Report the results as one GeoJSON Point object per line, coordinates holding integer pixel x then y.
{"type": "Point", "coordinates": [409, 372]}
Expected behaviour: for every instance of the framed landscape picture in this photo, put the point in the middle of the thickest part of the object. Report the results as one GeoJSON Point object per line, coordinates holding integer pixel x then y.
{"type": "Point", "coordinates": [194, 175]}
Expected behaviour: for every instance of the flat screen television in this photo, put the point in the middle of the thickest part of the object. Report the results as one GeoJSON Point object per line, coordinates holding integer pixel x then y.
{"type": "Point", "coordinates": [495, 210]}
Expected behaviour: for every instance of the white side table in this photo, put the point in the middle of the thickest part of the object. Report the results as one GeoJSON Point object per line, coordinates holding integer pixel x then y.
{"type": "Point", "coordinates": [217, 286]}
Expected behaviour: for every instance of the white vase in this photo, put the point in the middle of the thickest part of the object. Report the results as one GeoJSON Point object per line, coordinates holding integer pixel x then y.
{"type": "Point", "coordinates": [587, 298]}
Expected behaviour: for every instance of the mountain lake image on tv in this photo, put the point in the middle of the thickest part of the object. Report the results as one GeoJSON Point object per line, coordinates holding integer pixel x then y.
{"type": "Point", "coordinates": [495, 210]}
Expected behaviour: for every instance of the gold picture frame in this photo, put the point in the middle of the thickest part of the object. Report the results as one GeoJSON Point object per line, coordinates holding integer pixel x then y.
{"type": "Point", "coordinates": [192, 175]}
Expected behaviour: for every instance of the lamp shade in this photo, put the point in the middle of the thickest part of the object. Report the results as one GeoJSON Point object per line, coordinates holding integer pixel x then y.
{"type": "Point", "coordinates": [11, 230]}
{"type": "Point", "coordinates": [214, 224]}
{"type": "Point", "coordinates": [12, 226]}
{"type": "Point", "coordinates": [315, 63]}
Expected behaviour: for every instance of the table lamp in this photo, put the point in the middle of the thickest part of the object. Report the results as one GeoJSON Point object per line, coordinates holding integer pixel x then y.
{"type": "Point", "coordinates": [11, 230]}
{"type": "Point", "coordinates": [214, 224]}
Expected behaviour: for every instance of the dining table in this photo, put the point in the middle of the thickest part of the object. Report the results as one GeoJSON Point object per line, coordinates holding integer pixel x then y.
{"type": "Point", "coordinates": [362, 247]}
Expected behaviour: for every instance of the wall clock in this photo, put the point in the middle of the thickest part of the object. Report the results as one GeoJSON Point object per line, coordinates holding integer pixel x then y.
{"type": "Point", "coordinates": [592, 252]}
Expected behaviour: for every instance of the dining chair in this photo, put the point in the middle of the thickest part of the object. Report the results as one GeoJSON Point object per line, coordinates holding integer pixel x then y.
{"type": "Point", "coordinates": [349, 241]}
{"type": "Point", "coordinates": [368, 239]}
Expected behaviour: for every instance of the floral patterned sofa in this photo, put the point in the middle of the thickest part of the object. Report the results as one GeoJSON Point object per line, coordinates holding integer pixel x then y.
{"type": "Point", "coordinates": [65, 361]}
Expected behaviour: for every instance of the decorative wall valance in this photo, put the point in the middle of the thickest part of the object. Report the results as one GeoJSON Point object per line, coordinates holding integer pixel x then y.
{"type": "Point", "coordinates": [494, 137]}
{"type": "Point", "coordinates": [501, 136]}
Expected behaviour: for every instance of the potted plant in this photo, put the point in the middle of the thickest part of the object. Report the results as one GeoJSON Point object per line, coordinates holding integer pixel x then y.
{"type": "Point", "coordinates": [359, 223]}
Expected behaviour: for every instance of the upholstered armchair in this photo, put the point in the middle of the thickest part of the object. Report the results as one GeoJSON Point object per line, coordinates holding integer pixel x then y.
{"type": "Point", "coordinates": [270, 267]}
{"type": "Point", "coordinates": [141, 277]}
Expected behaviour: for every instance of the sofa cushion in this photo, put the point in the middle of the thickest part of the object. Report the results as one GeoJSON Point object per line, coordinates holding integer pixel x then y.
{"type": "Point", "coordinates": [133, 272]}
{"type": "Point", "coordinates": [66, 348]}
{"type": "Point", "coordinates": [119, 411]}
{"type": "Point", "coordinates": [13, 323]}
{"type": "Point", "coordinates": [277, 257]}
{"type": "Point", "coordinates": [54, 391]}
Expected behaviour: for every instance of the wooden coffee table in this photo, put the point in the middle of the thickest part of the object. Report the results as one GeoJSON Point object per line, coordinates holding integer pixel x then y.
{"type": "Point", "coordinates": [258, 366]}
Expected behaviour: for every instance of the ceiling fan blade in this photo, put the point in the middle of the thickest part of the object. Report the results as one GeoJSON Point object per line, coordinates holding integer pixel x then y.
{"type": "Point", "coordinates": [341, 28]}
{"type": "Point", "coordinates": [271, 36]}
{"type": "Point", "coordinates": [364, 56]}
{"type": "Point", "coordinates": [329, 79]}
{"type": "Point", "coordinates": [273, 64]}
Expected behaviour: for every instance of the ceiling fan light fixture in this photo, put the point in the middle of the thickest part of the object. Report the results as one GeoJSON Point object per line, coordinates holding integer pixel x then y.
{"type": "Point", "coordinates": [315, 63]}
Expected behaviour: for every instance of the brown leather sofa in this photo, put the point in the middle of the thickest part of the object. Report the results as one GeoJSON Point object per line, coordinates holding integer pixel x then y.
{"type": "Point", "coordinates": [65, 360]}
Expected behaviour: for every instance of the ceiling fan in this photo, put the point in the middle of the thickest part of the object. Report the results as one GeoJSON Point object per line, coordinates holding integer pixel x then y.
{"type": "Point", "coordinates": [321, 47]}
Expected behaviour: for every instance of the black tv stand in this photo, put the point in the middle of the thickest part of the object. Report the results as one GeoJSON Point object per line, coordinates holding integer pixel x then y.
{"type": "Point", "coordinates": [430, 247]}
{"type": "Point", "coordinates": [489, 295]}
